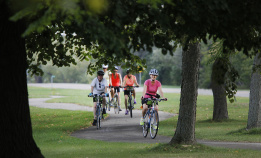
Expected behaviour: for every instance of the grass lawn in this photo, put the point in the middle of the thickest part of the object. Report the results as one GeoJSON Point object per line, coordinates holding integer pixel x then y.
{"type": "Point", "coordinates": [52, 128]}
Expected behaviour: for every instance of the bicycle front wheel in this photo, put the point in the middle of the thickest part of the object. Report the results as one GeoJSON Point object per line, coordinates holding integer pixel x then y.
{"type": "Point", "coordinates": [98, 113]}
{"type": "Point", "coordinates": [116, 104]}
{"type": "Point", "coordinates": [145, 126]}
{"type": "Point", "coordinates": [130, 106]}
{"type": "Point", "coordinates": [154, 124]}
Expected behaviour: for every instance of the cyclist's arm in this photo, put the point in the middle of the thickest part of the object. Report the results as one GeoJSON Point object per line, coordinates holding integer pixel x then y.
{"type": "Point", "coordinates": [124, 82]}
{"type": "Point", "coordinates": [144, 90]}
{"type": "Point", "coordinates": [161, 92]}
{"type": "Point", "coordinates": [91, 89]}
{"type": "Point", "coordinates": [120, 80]}
{"type": "Point", "coordinates": [109, 79]}
{"type": "Point", "coordinates": [135, 81]}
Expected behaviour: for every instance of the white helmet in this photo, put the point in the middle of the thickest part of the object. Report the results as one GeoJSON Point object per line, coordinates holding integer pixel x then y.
{"type": "Point", "coordinates": [154, 72]}
{"type": "Point", "coordinates": [104, 66]}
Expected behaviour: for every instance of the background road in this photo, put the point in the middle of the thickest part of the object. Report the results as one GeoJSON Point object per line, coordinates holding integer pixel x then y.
{"type": "Point", "coordinates": [240, 93]}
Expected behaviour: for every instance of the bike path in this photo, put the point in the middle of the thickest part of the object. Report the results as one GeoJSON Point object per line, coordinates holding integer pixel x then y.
{"type": "Point", "coordinates": [122, 128]}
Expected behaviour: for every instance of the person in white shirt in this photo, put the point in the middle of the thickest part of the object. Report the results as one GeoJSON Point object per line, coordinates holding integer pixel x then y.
{"type": "Point", "coordinates": [99, 85]}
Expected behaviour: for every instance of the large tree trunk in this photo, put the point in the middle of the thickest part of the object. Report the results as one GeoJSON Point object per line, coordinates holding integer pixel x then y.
{"type": "Point", "coordinates": [185, 132]}
{"type": "Point", "coordinates": [16, 138]}
{"type": "Point", "coordinates": [254, 114]}
{"type": "Point", "coordinates": [219, 71]}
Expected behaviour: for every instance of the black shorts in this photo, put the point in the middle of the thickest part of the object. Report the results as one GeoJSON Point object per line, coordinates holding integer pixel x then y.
{"type": "Point", "coordinates": [117, 89]}
{"type": "Point", "coordinates": [127, 92]}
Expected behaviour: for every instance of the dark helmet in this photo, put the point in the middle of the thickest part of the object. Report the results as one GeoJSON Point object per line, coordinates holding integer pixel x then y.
{"type": "Point", "coordinates": [154, 72]}
{"type": "Point", "coordinates": [100, 73]}
{"type": "Point", "coordinates": [128, 71]}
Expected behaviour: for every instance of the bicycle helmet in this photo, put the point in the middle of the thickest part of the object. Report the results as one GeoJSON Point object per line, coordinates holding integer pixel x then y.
{"type": "Point", "coordinates": [100, 73]}
{"type": "Point", "coordinates": [154, 72]}
{"type": "Point", "coordinates": [128, 71]}
{"type": "Point", "coordinates": [116, 68]}
{"type": "Point", "coordinates": [104, 66]}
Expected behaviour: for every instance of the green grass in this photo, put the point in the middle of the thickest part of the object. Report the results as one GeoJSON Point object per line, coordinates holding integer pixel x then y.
{"type": "Point", "coordinates": [52, 129]}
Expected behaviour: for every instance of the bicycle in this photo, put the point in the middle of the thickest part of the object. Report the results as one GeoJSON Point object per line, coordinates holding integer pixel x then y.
{"type": "Point", "coordinates": [151, 118]}
{"type": "Point", "coordinates": [115, 102]}
{"type": "Point", "coordinates": [130, 100]}
{"type": "Point", "coordinates": [99, 114]}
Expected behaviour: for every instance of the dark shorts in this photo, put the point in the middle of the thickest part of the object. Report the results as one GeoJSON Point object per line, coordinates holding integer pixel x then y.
{"type": "Point", "coordinates": [127, 92]}
{"type": "Point", "coordinates": [117, 89]}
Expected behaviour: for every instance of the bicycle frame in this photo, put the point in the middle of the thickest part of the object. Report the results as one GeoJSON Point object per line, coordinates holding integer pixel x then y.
{"type": "Point", "coordinates": [130, 102]}
{"type": "Point", "coordinates": [98, 109]}
{"type": "Point", "coordinates": [151, 118]}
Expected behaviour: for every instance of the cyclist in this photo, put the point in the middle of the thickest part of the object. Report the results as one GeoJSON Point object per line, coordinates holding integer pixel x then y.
{"type": "Point", "coordinates": [116, 81]}
{"type": "Point", "coordinates": [98, 86]}
{"type": "Point", "coordinates": [129, 80]}
{"type": "Point", "coordinates": [106, 76]}
{"type": "Point", "coordinates": [151, 86]}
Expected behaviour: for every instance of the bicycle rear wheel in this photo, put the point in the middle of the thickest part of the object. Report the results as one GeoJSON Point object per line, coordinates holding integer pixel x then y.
{"type": "Point", "coordinates": [154, 124]}
{"type": "Point", "coordinates": [116, 104]}
{"type": "Point", "coordinates": [145, 126]}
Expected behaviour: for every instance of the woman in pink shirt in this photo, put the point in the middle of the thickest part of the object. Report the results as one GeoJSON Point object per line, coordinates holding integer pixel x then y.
{"type": "Point", "coordinates": [151, 86]}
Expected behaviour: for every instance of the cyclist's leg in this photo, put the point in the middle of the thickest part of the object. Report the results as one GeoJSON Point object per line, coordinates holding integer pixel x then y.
{"type": "Point", "coordinates": [94, 110]}
{"type": "Point", "coordinates": [144, 109]}
{"type": "Point", "coordinates": [112, 93]}
{"type": "Point", "coordinates": [134, 96]}
{"type": "Point", "coordinates": [119, 97]}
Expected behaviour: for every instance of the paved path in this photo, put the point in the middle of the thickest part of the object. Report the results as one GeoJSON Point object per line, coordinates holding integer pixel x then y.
{"type": "Point", "coordinates": [122, 128]}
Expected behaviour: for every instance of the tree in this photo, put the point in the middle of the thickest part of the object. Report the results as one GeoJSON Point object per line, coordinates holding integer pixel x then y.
{"type": "Point", "coordinates": [219, 70]}
{"type": "Point", "coordinates": [185, 131]}
{"type": "Point", "coordinates": [254, 115]}
{"type": "Point", "coordinates": [16, 129]}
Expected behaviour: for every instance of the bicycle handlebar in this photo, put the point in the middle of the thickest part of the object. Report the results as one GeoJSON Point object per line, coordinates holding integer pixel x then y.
{"type": "Point", "coordinates": [130, 86]}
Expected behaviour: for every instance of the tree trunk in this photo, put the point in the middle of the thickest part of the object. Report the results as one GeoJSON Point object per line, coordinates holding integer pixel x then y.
{"type": "Point", "coordinates": [219, 71]}
{"type": "Point", "coordinates": [254, 114]}
{"type": "Point", "coordinates": [16, 138]}
{"type": "Point", "coordinates": [185, 132]}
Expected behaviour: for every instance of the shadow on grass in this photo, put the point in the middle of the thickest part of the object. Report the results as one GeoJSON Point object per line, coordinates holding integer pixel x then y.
{"type": "Point", "coordinates": [220, 121]}
{"type": "Point", "coordinates": [180, 148]}
{"type": "Point", "coordinates": [244, 131]}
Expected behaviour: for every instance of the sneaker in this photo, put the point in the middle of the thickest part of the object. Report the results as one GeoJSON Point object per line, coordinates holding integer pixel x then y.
{"type": "Point", "coordinates": [120, 109]}
{"type": "Point", "coordinates": [94, 123]}
{"type": "Point", "coordinates": [135, 101]}
{"type": "Point", "coordinates": [142, 121]}
{"type": "Point", "coordinates": [103, 111]}
{"type": "Point", "coordinates": [126, 112]}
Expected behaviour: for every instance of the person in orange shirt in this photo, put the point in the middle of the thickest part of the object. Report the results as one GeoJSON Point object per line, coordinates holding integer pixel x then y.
{"type": "Point", "coordinates": [116, 81]}
{"type": "Point", "coordinates": [129, 80]}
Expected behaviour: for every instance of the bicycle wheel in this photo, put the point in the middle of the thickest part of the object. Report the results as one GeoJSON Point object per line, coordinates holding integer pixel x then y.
{"type": "Point", "coordinates": [145, 126]}
{"type": "Point", "coordinates": [130, 106]}
{"type": "Point", "coordinates": [98, 111]}
{"type": "Point", "coordinates": [154, 124]}
{"type": "Point", "coordinates": [116, 104]}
